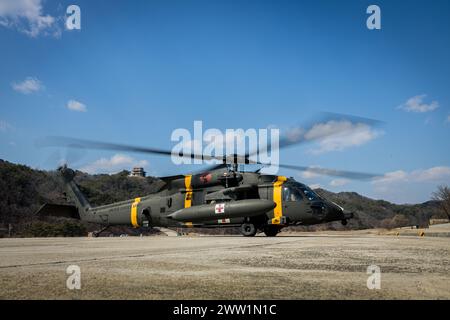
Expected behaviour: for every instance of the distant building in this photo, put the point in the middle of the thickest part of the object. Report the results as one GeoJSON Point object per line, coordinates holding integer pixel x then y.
{"type": "Point", "coordinates": [438, 221]}
{"type": "Point", "coordinates": [137, 172]}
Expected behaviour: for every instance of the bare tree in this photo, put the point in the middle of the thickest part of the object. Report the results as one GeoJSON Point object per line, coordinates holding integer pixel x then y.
{"type": "Point", "coordinates": [443, 194]}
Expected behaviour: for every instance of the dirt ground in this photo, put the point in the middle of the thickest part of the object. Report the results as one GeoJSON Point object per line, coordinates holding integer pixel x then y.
{"type": "Point", "coordinates": [291, 266]}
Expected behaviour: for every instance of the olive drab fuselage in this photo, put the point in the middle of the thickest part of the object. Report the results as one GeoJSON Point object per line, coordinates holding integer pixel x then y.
{"type": "Point", "coordinates": [222, 195]}
{"type": "Point", "coordinates": [219, 198]}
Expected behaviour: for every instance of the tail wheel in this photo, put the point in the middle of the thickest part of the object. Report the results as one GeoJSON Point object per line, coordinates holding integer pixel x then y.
{"type": "Point", "coordinates": [248, 229]}
{"type": "Point", "coordinates": [271, 231]}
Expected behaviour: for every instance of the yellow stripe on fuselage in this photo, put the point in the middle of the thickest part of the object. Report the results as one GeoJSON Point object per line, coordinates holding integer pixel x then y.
{"type": "Point", "coordinates": [188, 196]}
{"type": "Point", "coordinates": [134, 212]}
{"type": "Point", "coordinates": [277, 198]}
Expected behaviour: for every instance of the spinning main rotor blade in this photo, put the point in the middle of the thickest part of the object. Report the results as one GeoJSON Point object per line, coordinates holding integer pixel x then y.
{"type": "Point", "coordinates": [352, 175]}
{"type": "Point", "coordinates": [71, 143]}
{"type": "Point", "coordinates": [328, 124]}
{"type": "Point", "coordinates": [57, 141]}
{"type": "Point", "coordinates": [325, 125]}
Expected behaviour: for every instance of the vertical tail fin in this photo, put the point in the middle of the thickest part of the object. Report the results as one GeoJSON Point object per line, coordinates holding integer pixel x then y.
{"type": "Point", "coordinates": [73, 192]}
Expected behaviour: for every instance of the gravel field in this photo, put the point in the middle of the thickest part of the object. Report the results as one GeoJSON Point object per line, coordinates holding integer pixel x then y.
{"type": "Point", "coordinates": [323, 265]}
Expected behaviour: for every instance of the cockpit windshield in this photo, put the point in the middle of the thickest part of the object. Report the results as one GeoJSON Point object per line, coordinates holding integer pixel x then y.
{"type": "Point", "coordinates": [297, 191]}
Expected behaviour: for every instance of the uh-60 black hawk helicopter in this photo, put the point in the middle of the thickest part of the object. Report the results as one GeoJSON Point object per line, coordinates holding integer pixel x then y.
{"type": "Point", "coordinates": [221, 196]}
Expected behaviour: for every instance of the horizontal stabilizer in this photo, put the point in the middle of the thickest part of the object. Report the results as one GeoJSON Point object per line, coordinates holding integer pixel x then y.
{"type": "Point", "coordinates": [58, 210]}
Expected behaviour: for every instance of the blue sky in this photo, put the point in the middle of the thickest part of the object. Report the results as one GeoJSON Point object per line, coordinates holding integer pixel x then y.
{"type": "Point", "coordinates": [137, 70]}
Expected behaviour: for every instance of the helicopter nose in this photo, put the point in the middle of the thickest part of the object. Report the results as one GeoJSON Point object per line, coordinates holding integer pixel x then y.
{"type": "Point", "coordinates": [335, 212]}
{"type": "Point", "coordinates": [348, 214]}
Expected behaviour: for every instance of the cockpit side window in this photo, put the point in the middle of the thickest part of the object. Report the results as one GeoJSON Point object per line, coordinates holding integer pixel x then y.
{"type": "Point", "coordinates": [300, 191]}
{"type": "Point", "coordinates": [311, 195]}
{"type": "Point", "coordinates": [291, 194]}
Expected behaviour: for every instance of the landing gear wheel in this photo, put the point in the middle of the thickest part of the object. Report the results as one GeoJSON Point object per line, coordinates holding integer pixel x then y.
{"type": "Point", "coordinates": [271, 231]}
{"type": "Point", "coordinates": [248, 229]}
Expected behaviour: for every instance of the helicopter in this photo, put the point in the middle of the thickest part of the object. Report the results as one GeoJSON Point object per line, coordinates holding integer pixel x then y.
{"type": "Point", "coordinates": [221, 196]}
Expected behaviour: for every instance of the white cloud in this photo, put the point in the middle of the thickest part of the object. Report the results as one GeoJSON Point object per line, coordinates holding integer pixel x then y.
{"type": "Point", "coordinates": [410, 187]}
{"type": "Point", "coordinates": [27, 86]}
{"type": "Point", "coordinates": [295, 134]}
{"type": "Point", "coordinates": [339, 182]}
{"type": "Point", "coordinates": [307, 174]}
{"type": "Point", "coordinates": [393, 176]}
{"type": "Point", "coordinates": [346, 135]}
{"type": "Point", "coordinates": [27, 17]}
{"type": "Point", "coordinates": [114, 164]}
{"type": "Point", "coordinates": [5, 126]}
{"type": "Point", "coordinates": [315, 186]}
{"type": "Point", "coordinates": [76, 106]}
{"type": "Point", "coordinates": [434, 174]}
{"type": "Point", "coordinates": [416, 104]}
{"type": "Point", "coordinates": [448, 119]}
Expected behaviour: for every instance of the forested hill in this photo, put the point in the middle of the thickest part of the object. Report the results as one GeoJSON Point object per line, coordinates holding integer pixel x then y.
{"type": "Point", "coordinates": [370, 213]}
{"type": "Point", "coordinates": [23, 190]}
